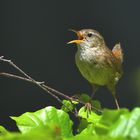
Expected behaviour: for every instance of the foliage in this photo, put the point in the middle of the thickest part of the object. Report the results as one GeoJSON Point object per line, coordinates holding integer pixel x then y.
{"type": "Point", "coordinates": [55, 124]}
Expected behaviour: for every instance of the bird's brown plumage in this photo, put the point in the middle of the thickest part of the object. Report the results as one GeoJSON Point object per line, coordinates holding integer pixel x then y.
{"type": "Point", "coordinates": [96, 62]}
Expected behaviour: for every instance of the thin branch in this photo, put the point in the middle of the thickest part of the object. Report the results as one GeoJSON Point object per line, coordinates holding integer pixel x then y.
{"type": "Point", "coordinates": [9, 75]}
{"type": "Point", "coordinates": [39, 84]}
{"type": "Point", "coordinates": [28, 80]}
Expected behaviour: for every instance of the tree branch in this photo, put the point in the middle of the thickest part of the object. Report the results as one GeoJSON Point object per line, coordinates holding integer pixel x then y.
{"type": "Point", "coordinates": [42, 85]}
{"type": "Point", "coordinates": [9, 75]}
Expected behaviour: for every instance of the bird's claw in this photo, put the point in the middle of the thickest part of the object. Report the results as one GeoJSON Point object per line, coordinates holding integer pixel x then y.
{"type": "Point", "coordinates": [88, 108]}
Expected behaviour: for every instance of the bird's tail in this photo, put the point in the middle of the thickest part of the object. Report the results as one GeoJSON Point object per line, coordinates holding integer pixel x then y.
{"type": "Point", "coordinates": [118, 52]}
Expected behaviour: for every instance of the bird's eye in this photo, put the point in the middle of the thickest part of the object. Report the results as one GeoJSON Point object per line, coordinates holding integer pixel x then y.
{"type": "Point", "coordinates": [89, 34]}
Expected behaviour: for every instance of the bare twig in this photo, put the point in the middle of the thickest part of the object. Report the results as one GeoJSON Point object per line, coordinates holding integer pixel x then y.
{"type": "Point", "coordinates": [39, 84]}
{"type": "Point", "coordinates": [28, 80]}
{"type": "Point", "coordinates": [9, 75]}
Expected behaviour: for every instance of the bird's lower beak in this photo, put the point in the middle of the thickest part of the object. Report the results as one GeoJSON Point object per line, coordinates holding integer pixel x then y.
{"type": "Point", "coordinates": [75, 41]}
{"type": "Point", "coordinates": [79, 35]}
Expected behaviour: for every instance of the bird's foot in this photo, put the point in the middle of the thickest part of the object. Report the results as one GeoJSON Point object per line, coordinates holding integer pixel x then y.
{"type": "Point", "coordinates": [88, 108]}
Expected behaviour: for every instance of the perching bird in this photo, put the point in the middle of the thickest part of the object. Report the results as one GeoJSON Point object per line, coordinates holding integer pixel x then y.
{"type": "Point", "coordinates": [99, 65]}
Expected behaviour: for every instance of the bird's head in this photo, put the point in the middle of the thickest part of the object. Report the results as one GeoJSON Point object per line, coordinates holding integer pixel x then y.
{"type": "Point", "coordinates": [88, 38]}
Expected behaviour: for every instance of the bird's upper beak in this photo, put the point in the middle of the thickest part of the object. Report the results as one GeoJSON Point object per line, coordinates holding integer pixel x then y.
{"type": "Point", "coordinates": [79, 35]}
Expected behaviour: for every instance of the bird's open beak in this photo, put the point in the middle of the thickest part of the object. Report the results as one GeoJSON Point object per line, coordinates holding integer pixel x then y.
{"type": "Point", "coordinates": [75, 41]}
{"type": "Point", "coordinates": [79, 35]}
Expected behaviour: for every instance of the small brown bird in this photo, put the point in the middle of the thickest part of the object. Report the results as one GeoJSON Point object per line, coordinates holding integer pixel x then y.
{"type": "Point", "coordinates": [99, 65]}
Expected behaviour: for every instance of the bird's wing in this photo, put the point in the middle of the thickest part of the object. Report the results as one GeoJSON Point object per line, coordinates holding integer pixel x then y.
{"type": "Point", "coordinates": [112, 61]}
{"type": "Point", "coordinates": [118, 53]}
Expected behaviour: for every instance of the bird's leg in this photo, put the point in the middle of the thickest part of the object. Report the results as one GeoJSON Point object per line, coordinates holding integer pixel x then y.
{"type": "Point", "coordinates": [94, 87]}
{"type": "Point", "coordinates": [88, 105]}
{"type": "Point", "coordinates": [112, 88]}
{"type": "Point", "coordinates": [115, 99]}
{"type": "Point", "coordinates": [88, 108]}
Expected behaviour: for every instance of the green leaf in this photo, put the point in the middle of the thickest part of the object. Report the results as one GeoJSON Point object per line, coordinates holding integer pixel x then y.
{"type": "Point", "coordinates": [84, 97]}
{"type": "Point", "coordinates": [52, 124]}
{"type": "Point", "coordinates": [119, 123]}
{"type": "Point", "coordinates": [67, 106]}
{"type": "Point", "coordinates": [82, 125]}
{"type": "Point", "coordinates": [95, 103]}
{"type": "Point", "coordinates": [43, 119]}
{"type": "Point", "coordinates": [36, 134]}
{"type": "Point", "coordinates": [89, 130]}
{"type": "Point", "coordinates": [128, 125]}
{"type": "Point", "coordinates": [96, 137]}
{"type": "Point", "coordinates": [108, 119]}
{"type": "Point", "coordinates": [114, 124]}
{"type": "Point", "coordinates": [3, 131]}
{"type": "Point", "coordinates": [87, 121]}
{"type": "Point", "coordinates": [91, 117]}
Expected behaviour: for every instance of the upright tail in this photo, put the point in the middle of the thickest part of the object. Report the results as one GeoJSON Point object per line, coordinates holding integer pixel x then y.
{"type": "Point", "coordinates": [118, 52]}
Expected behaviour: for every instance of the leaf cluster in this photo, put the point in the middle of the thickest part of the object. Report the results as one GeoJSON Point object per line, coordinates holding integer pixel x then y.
{"type": "Point", "coordinates": [55, 124]}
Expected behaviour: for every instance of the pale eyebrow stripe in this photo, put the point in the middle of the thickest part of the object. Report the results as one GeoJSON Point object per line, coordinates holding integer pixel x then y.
{"type": "Point", "coordinates": [97, 35]}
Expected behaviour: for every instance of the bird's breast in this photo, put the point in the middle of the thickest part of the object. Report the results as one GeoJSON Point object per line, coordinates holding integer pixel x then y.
{"type": "Point", "coordinates": [90, 55]}
{"type": "Point", "coordinates": [90, 64]}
